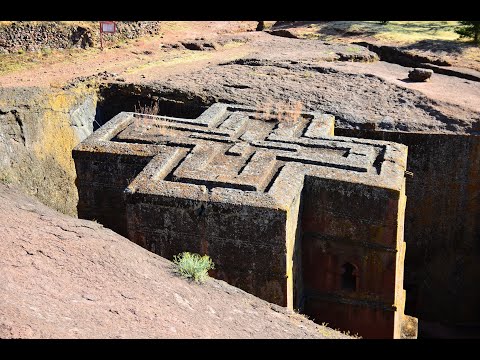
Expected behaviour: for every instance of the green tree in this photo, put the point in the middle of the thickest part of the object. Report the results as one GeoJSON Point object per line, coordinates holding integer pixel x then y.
{"type": "Point", "coordinates": [470, 29]}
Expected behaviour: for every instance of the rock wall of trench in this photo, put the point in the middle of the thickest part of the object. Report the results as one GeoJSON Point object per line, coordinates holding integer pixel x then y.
{"type": "Point", "coordinates": [442, 223]}
{"type": "Point", "coordinates": [38, 129]}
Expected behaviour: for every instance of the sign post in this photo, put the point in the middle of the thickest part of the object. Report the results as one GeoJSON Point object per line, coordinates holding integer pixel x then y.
{"type": "Point", "coordinates": [108, 27]}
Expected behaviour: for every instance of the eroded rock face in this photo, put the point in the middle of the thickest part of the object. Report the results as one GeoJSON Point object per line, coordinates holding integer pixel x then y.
{"type": "Point", "coordinates": [199, 45]}
{"type": "Point", "coordinates": [38, 129]}
{"type": "Point", "coordinates": [69, 278]}
{"type": "Point", "coordinates": [442, 223]}
{"type": "Point", "coordinates": [283, 33]}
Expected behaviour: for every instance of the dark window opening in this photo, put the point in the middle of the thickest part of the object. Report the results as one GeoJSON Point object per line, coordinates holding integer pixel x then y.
{"type": "Point", "coordinates": [349, 277]}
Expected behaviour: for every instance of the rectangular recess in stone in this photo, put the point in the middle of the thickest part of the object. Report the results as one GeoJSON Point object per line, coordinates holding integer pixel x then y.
{"type": "Point", "coordinates": [235, 124]}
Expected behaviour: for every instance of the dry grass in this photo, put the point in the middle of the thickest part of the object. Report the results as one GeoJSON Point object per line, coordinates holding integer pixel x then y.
{"type": "Point", "coordinates": [413, 31]}
{"type": "Point", "coordinates": [5, 178]}
{"type": "Point", "coordinates": [400, 32]}
{"type": "Point", "coordinates": [472, 54]}
{"type": "Point", "coordinates": [152, 109]}
{"type": "Point", "coordinates": [431, 38]}
{"type": "Point", "coordinates": [234, 44]}
{"type": "Point", "coordinates": [21, 60]}
{"type": "Point", "coordinates": [26, 59]}
{"type": "Point", "coordinates": [327, 329]}
{"type": "Point", "coordinates": [181, 57]}
{"type": "Point", "coordinates": [324, 328]}
{"type": "Point", "coordinates": [283, 111]}
{"type": "Point", "coordinates": [174, 25]}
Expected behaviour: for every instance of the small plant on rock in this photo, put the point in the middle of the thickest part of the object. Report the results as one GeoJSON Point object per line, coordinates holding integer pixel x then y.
{"type": "Point", "coordinates": [152, 109]}
{"type": "Point", "coordinates": [193, 266]}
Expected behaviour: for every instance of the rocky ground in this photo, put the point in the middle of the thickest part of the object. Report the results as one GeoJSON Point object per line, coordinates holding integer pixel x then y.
{"type": "Point", "coordinates": [220, 61]}
{"type": "Point", "coordinates": [347, 81]}
{"type": "Point", "coordinates": [194, 64]}
{"type": "Point", "coordinates": [62, 277]}
{"type": "Point", "coordinates": [356, 99]}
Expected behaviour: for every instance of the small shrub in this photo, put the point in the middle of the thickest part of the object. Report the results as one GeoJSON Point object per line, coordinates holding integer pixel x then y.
{"type": "Point", "coordinates": [193, 266]}
{"type": "Point", "coordinates": [470, 29]}
{"type": "Point", "coordinates": [286, 112]}
{"type": "Point", "coordinates": [46, 51]}
{"type": "Point", "coordinates": [151, 109]}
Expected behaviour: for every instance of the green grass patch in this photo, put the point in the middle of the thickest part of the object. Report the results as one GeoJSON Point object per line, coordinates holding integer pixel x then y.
{"type": "Point", "coordinates": [193, 266]}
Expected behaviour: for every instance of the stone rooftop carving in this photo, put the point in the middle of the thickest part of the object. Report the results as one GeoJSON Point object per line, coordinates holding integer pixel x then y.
{"type": "Point", "coordinates": [237, 147]}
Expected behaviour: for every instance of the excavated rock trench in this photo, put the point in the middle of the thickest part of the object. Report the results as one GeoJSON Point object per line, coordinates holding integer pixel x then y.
{"type": "Point", "coordinates": [40, 127]}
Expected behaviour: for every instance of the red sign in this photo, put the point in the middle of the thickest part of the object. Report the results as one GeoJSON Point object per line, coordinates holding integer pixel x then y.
{"type": "Point", "coordinates": [107, 27]}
